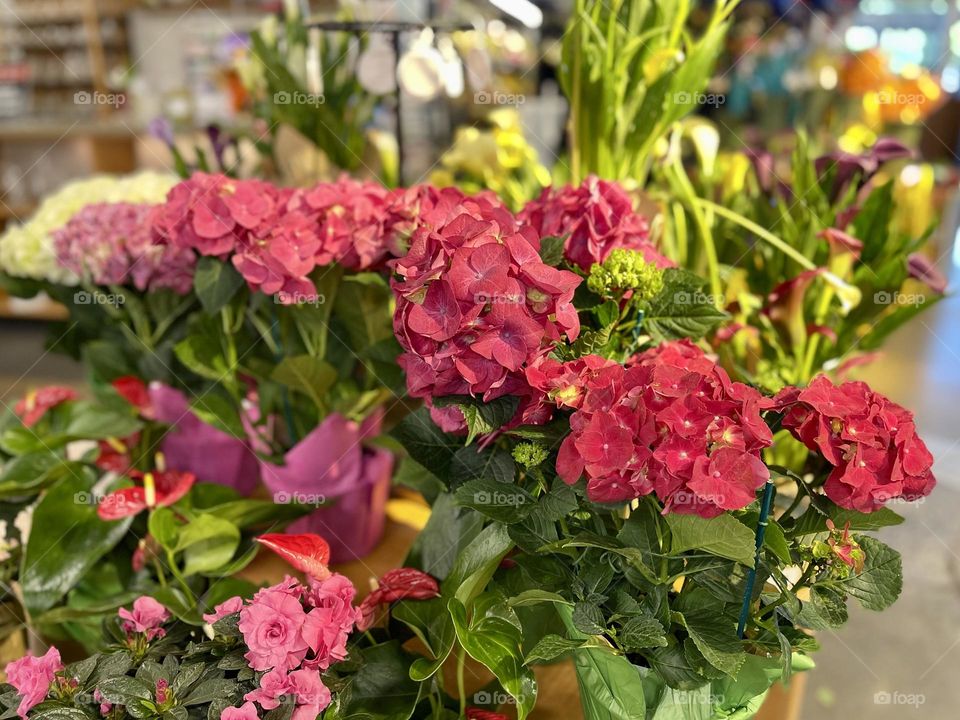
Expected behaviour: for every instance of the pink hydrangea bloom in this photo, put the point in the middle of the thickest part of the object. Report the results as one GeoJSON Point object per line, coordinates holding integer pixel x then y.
{"type": "Point", "coordinates": [227, 607]}
{"type": "Point", "coordinates": [871, 442]}
{"type": "Point", "coordinates": [32, 676]}
{"type": "Point", "coordinates": [673, 423]}
{"type": "Point", "coordinates": [595, 218]}
{"type": "Point", "coordinates": [113, 244]}
{"type": "Point", "coordinates": [476, 304]}
{"type": "Point", "coordinates": [147, 616]}
{"type": "Point", "coordinates": [247, 711]}
{"type": "Point", "coordinates": [271, 625]}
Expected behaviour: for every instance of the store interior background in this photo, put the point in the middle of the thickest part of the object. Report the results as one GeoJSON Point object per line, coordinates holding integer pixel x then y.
{"type": "Point", "coordinates": [83, 85]}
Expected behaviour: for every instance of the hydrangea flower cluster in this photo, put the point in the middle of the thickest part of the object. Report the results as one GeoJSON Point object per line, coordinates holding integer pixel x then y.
{"type": "Point", "coordinates": [28, 250]}
{"type": "Point", "coordinates": [870, 441]}
{"type": "Point", "coordinates": [112, 244]}
{"type": "Point", "coordinates": [673, 423]}
{"type": "Point", "coordinates": [276, 237]}
{"type": "Point", "coordinates": [476, 304]}
{"type": "Point", "coordinates": [293, 632]}
{"type": "Point", "coordinates": [594, 219]}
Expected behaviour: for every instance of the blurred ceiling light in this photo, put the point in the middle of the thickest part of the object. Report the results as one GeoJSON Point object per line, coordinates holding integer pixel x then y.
{"type": "Point", "coordinates": [860, 37]}
{"type": "Point", "coordinates": [911, 175]}
{"type": "Point", "coordinates": [523, 10]}
{"type": "Point", "coordinates": [828, 77]}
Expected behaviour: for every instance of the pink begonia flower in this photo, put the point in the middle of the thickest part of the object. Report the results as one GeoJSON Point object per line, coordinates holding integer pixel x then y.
{"type": "Point", "coordinates": [594, 219]}
{"type": "Point", "coordinates": [31, 678]}
{"type": "Point", "coordinates": [147, 616]}
{"type": "Point", "coordinates": [271, 625]}
{"type": "Point", "coordinates": [227, 607]}
{"type": "Point", "coordinates": [273, 686]}
{"type": "Point", "coordinates": [247, 711]}
{"type": "Point", "coordinates": [312, 695]}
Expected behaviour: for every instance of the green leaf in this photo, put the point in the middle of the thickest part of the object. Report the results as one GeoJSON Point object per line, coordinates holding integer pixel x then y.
{"type": "Point", "coordinates": [382, 689]}
{"type": "Point", "coordinates": [201, 352]}
{"type": "Point", "coordinates": [208, 543]}
{"type": "Point", "coordinates": [827, 608]}
{"type": "Point", "coordinates": [550, 648]}
{"type": "Point", "coordinates": [124, 690]}
{"type": "Point", "coordinates": [247, 512]}
{"type": "Point", "coordinates": [476, 563]}
{"type": "Point", "coordinates": [642, 630]}
{"type": "Point", "coordinates": [610, 685]}
{"type": "Point", "coordinates": [215, 283]}
{"type": "Point", "coordinates": [551, 251]}
{"type": "Point", "coordinates": [723, 535]}
{"type": "Point", "coordinates": [55, 712]}
{"type": "Point", "coordinates": [815, 520]}
{"type": "Point", "coordinates": [588, 619]}
{"type": "Point", "coordinates": [73, 540]}
{"type": "Point", "coordinates": [28, 474]}
{"type": "Point", "coordinates": [92, 421]}
{"type": "Point", "coordinates": [218, 410]}
{"type": "Point", "coordinates": [683, 309]}
{"type": "Point", "coordinates": [309, 375]}
{"type": "Point", "coordinates": [716, 639]}
{"type": "Point", "coordinates": [496, 643]}
{"type": "Point", "coordinates": [426, 443]}
{"type": "Point", "coordinates": [880, 583]}
{"type": "Point", "coordinates": [471, 463]}
{"type": "Point", "coordinates": [499, 501]}
{"type": "Point", "coordinates": [448, 532]}
{"type": "Point", "coordinates": [482, 417]}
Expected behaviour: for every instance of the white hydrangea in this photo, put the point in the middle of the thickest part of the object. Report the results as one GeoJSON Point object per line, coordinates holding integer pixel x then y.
{"type": "Point", "coordinates": [27, 251]}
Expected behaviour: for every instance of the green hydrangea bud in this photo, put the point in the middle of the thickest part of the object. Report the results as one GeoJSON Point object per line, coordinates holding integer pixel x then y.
{"type": "Point", "coordinates": [625, 270]}
{"type": "Point", "coordinates": [530, 454]}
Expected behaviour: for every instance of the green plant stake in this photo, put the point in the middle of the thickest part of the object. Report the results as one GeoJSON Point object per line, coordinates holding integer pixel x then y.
{"type": "Point", "coordinates": [752, 576]}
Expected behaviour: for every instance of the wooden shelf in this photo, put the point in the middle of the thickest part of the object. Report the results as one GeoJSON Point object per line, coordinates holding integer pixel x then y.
{"type": "Point", "coordinates": [39, 308]}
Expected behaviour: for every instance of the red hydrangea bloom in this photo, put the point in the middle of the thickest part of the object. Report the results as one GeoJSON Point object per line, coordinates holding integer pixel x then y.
{"type": "Point", "coordinates": [351, 216]}
{"type": "Point", "coordinates": [871, 442]}
{"type": "Point", "coordinates": [595, 218]}
{"type": "Point", "coordinates": [35, 403]}
{"type": "Point", "coordinates": [672, 423]}
{"type": "Point", "coordinates": [476, 304]}
{"type": "Point", "coordinates": [113, 244]}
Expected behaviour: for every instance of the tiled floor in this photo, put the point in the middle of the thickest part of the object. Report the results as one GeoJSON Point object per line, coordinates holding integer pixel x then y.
{"type": "Point", "coordinates": [898, 665]}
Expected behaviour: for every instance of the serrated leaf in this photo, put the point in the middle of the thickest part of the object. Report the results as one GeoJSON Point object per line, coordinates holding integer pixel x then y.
{"type": "Point", "coordinates": [550, 648]}
{"type": "Point", "coordinates": [723, 535]}
{"type": "Point", "coordinates": [880, 583]}
{"type": "Point", "coordinates": [642, 631]}
{"type": "Point", "coordinates": [715, 639]}
{"type": "Point", "coordinates": [482, 418]}
{"type": "Point", "coordinates": [499, 501]}
{"type": "Point", "coordinates": [682, 309]}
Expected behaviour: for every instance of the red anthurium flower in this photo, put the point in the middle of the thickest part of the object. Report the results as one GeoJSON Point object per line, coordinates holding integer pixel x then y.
{"type": "Point", "coordinates": [480, 714]}
{"type": "Point", "coordinates": [36, 403]}
{"type": "Point", "coordinates": [134, 391]}
{"type": "Point", "coordinates": [399, 584]}
{"type": "Point", "coordinates": [307, 552]}
{"type": "Point", "coordinates": [115, 454]}
{"type": "Point", "coordinates": [158, 489]}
